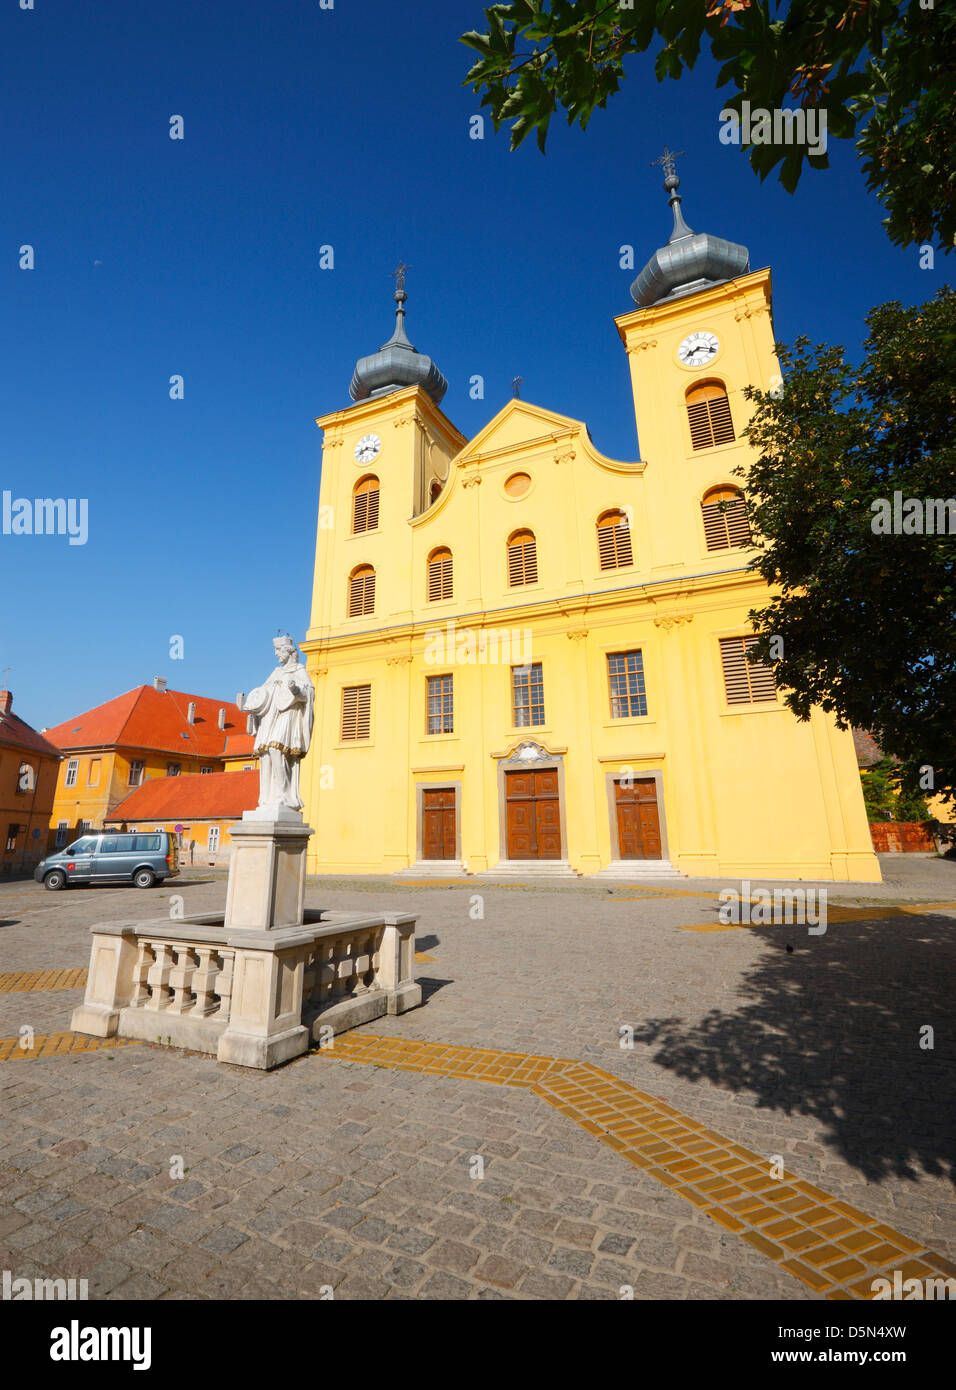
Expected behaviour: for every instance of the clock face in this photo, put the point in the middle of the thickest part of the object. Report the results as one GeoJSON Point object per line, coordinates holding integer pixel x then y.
{"type": "Point", "coordinates": [698, 349]}
{"type": "Point", "coordinates": [367, 447]}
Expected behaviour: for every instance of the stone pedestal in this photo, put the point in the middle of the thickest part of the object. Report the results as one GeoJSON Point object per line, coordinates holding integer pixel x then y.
{"type": "Point", "coordinates": [266, 888]}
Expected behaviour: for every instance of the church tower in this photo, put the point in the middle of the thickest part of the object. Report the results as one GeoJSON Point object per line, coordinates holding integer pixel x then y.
{"type": "Point", "coordinates": [702, 332]}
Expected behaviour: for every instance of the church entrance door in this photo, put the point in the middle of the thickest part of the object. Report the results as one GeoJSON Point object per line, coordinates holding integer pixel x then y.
{"type": "Point", "coordinates": [533, 809]}
{"type": "Point", "coordinates": [638, 819]}
{"type": "Point", "coordinates": [439, 824]}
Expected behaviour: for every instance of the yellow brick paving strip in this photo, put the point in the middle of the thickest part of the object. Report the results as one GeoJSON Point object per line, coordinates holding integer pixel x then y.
{"type": "Point", "coordinates": [57, 1045]}
{"type": "Point", "coordinates": [834, 914]}
{"type": "Point", "coordinates": [25, 981]}
{"type": "Point", "coordinates": [833, 1248]}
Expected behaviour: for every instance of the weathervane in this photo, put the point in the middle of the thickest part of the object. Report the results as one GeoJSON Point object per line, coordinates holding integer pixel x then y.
{"type": "Point", "coordinates": [399, 275]}
{"type": "Point", "coordinates": [666, 161]}
{"type": "Point", "coordinates": [516, 387]}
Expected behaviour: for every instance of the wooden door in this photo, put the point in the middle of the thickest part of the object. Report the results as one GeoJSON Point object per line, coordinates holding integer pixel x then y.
{"type": "Point", "coordinates": [439, 824]}
{"type": "Point", "coordinates": [638, 819]}
{"type": "Point", "coordinates": [533, 811]}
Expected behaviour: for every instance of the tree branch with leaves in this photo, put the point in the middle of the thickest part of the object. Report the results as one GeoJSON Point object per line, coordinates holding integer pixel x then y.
{"type": "Point", "coordinates": [885, 74]}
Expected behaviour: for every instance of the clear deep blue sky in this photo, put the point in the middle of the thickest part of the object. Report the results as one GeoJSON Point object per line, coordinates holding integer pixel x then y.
{"type": "Point", "coordinates": [306, 127]}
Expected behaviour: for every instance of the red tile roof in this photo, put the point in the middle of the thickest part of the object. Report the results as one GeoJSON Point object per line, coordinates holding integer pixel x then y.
{"type": "Point", "coordinates": [868, 751]}
{"type": "Point", "coordinates": [194, 797]}
{"type": "Point", "coordinates": [239, 745]}
{"type": "Point", "coordinates": [16, 733]}
{"type": "Point", "coordinates": [150, 718]}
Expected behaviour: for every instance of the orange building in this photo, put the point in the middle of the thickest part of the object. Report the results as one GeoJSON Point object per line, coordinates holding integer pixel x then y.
{"type": "Point", "coordinates": [199, 810]}
{"type": "Point", "coordinates": [150, 732]}
{"type": "Point", "coordinates": [28, 775]}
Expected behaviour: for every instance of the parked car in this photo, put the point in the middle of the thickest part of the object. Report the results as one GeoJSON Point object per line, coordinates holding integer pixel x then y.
{"type": "Point", "coordinates": [109, 856]}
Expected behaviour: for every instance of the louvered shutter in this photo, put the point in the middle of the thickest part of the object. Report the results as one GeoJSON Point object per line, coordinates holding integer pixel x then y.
{"type": "Point", "coordinates": [708, 413]}
{"type": "Point", "coordinates": [725, 519]}
{"type": "Point", "coordinates": [744, 683]}
{"type": "Point", "coordinates": [522, 559]}
{"type": "Point", "coordinates": [362, 593]}
{"type": "Point", "coordinates": [614, 541]}
{"type": "Point", "coordinates": [356, 712]}
{"type": "Point", "coordinates": [440, 582]}
{"type": "Point", "coordinates": [365, 506]}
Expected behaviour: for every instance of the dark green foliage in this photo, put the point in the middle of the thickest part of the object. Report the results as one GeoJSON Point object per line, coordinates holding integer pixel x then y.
{"type": "Point", "coordinates": [885, 73]}
{"type": "Point", "coordinates": [868, 621]}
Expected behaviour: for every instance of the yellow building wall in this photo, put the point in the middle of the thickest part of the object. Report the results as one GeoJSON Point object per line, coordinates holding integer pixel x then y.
{"type": "Point", "coordinates": [90, 802]}
{"type": "Point", "coordinates": [744, 791]}
{"type": "Point", "coordinates": [29, 810]}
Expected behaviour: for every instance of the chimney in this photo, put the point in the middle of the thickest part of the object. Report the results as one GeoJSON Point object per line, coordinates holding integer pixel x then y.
{"type": "Point", "coordinates": [159, 683]}
{"type": "Point", "coordinates": [240, 699]}
{"type": "Point", "coordinates": [222, 718]}
{"type": "Point", "coordinates": [191, 712]}
{"type": "Point", "coordinates": [6, 701]}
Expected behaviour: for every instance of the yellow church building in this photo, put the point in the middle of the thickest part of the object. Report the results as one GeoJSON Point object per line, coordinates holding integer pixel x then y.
{"type": "Point", "coordinates": [531, 658]}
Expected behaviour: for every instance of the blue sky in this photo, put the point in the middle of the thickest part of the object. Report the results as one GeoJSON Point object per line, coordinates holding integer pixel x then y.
{"type": "Point", "coordinates": [307, 127]}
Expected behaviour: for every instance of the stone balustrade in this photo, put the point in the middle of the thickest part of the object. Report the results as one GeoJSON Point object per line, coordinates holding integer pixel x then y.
{"type": "Point", "coordinates": [255, 998]}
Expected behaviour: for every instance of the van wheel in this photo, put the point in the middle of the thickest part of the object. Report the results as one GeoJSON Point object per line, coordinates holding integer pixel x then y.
{"type": "Point", "coordinates": [144, 878]}
{"type": "Point", "coordinates": [55, 880]}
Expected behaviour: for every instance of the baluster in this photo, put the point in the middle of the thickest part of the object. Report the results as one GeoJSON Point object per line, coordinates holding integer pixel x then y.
{"type": "Point", "coordinates": [204, 981]}
{"type": "Point", "coordinates": [224, 984]}
{"type": "Point", "coordinates": [144, 960]}
{"type": "Point", "coordinates": [158, 976]}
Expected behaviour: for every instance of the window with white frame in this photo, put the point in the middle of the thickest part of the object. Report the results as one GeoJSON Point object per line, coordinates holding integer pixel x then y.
{"type": "Point", "coordinates": [212, 843]}
{"type": "Point", "coordinates": [71, 770]}
{"type": "Point", "coordinates": [136, 772]}
{"type": "Point", "coordinates": [62, 826]}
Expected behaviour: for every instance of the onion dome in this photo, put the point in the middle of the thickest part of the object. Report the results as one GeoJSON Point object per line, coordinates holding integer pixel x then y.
{"type": "Point", "coordinates": [397, 363]}
{"type": "Point", "coordinates": [690, 261]}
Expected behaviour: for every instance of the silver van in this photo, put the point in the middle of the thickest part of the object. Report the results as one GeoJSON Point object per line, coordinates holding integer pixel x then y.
{"type": "Point", "coordinates": [143, 857]}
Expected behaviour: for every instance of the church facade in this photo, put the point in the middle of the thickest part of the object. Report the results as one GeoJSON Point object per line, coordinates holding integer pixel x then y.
{"type": "Point", "coordinates": [530, 657]}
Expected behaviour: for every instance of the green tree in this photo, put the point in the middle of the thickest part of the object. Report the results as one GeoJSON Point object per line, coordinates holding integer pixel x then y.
{"type": "Point", "coordinates": [882, 71]}
{"type": "Point", "coordinates": [889, 795]}
{"type": "Point", "coordinates": [867, 618]}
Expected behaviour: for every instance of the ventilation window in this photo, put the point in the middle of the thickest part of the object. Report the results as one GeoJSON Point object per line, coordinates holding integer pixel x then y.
{"type": "Point", "coordinates": [434, 492]}
{"type": "Point", "coordinates": [522, 559]}
{"type": "Point", "coordinates": [726, 523]}
{"type": "Point", "coordinates": [614, 541]}
{"type": "Point", "coordinates": [362, 592]}
{"type": "Point", "coordinates": [708, 411]}
{"type": "Point", "coordinates": [745, 682]}
{"type": "Point", "coordinates": [365, 506]}
{"type": "Point", "coordinates": [439, 575]}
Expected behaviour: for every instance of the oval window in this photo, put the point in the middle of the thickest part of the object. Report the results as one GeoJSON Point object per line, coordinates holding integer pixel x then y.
{"type": "Point", "coordinates": [517, 485]}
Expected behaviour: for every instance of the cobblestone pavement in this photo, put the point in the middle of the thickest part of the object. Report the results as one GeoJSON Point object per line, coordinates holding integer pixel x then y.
{"type": "Point", "coordinates": [357, 1176]}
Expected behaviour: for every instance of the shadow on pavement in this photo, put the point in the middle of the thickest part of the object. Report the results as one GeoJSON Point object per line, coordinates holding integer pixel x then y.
{"type": "Point", "coordinates": [833, 1030]}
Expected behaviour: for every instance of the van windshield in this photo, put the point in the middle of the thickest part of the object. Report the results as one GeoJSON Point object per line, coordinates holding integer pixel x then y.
{"type": "Point", "coordinates": [83, 846]}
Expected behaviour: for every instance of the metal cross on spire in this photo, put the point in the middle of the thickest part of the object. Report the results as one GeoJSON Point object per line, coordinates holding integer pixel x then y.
{"type": "Point", "coordinates": [666, 161]}
{"type": "Point", "coordinates": [399, 275]}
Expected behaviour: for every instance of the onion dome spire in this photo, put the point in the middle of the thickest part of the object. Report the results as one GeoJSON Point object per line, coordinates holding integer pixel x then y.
{"type": "Point", "coordinates": [690, 261]}
{"type": "Point", "coordinates": [397, 363]}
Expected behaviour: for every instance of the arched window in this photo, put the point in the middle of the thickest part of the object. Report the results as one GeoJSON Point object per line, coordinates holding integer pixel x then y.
{"type": "Point", "coordinates": [614, 541]}
{"type": "Point", "coordinates": [434, 492]}
{"type": "Point", "coordinates": [726, 522]}
{"type": "Point", "coordinates": [708, 411]}
{"type": "Point", "coordinates": [439, 575]}
{"type": "Point", "coordinates": [365, 505]}
{"type": "Point", "coordinates": [361, 591]}
{"type": "Point", "coordinates": [522, 559]}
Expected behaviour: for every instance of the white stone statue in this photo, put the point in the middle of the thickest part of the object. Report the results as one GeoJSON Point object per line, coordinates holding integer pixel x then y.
{"type": "Point", "coordinates": [282, 710]}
